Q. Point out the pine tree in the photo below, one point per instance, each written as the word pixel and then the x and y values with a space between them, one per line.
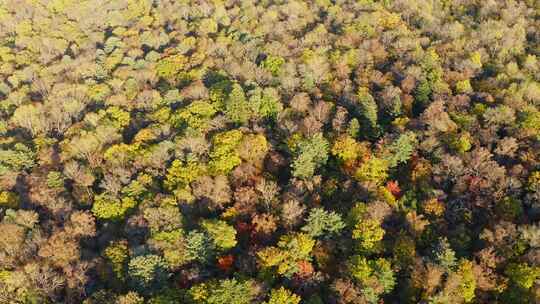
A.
pixel 311 154
pixel 368 112
pixel 321 222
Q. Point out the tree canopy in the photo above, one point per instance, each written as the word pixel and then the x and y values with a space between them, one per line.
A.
pixel 276 151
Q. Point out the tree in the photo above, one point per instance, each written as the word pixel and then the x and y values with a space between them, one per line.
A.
pixel 376 277
pixel 346 149
pixel 500 115
pixel 116 116
pixel 181 174
pixel 374 170
pixel 444 255
pixel 253 148
pixel 529 120
pixel 290 251
pixel 147 273
pixel 31 117
pixel 283 296
pixel 163 218
pixel 292 212
pixel 224 156
pixel 265 103
pixel 130 298
pixel 461 143
pixel 60 250
pixel 166 296
pixel 321 222
pixel 110 208
pixel 464 86
pixel 522 275
pixel 522 278
pixel 229 291
pixel 368 110
pixel 273 64
pixel 117 255
pixel 265 223
pixel 173 246
pixel 468 281
pixel 223 235
pixel 195 116
pixel 198 247
pixel 19 158
pixel 9 199
pixel 55 179
pixel 401 149
pixel 310 154
pixel 354 128
pixel 12 242
pixel 423 93
pixel 81 224
pixel 170 67
pixel 236 106
pixel 367 231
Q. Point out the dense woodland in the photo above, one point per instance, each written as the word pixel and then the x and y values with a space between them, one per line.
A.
pixel 271 151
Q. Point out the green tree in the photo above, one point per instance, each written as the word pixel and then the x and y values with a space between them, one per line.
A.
pixel 321 222
pixel 170 67
pixel 522 275
pixel 55 179
pixel 237 108
pixel 273 64
pixel 461 143
pixel 401 149
pixel 229 291
pixel 310 154
pixel 182 173
pixel 116 116
pixel 147 273
pixel 468 280
pixel 375 277
pixel 291 249
pixel 224 155
pixel 167 296
pixel 283 296
pixel 117 255
pixel 354 128
pixel 173 245
pixel 522 278
pixel 195 116
pixel 373 170
pixel 367 231
pixel 444 255
pixel 9 199
pixel 109 208
pixel 222 234
pixel 198 247
pixel 219 90
pixel 19 158
pixel 422 93
pixel 464 86
pixel 266 103
pixel 529 120
pixel 368 111
pixel 346 149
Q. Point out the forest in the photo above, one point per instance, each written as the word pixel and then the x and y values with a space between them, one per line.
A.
pixel 269 151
